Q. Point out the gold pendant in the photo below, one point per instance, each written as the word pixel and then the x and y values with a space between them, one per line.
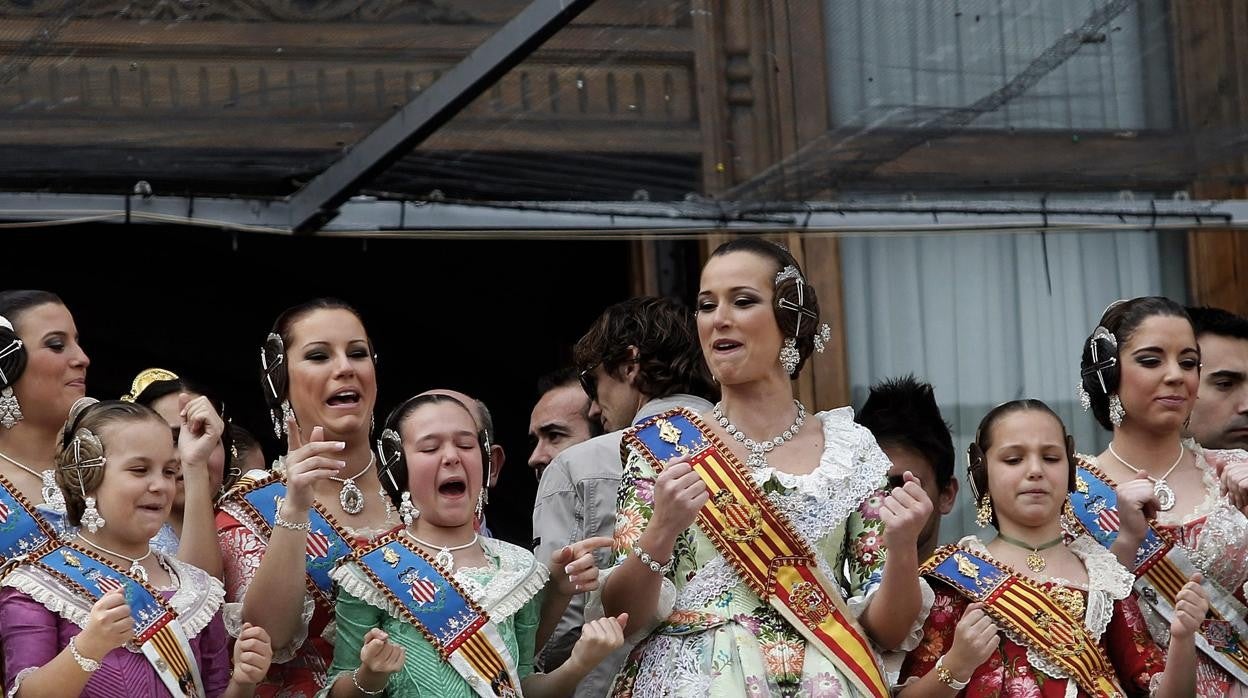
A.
pixel 1035 563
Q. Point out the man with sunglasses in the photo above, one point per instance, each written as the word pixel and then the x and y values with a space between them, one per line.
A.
pixel 639 358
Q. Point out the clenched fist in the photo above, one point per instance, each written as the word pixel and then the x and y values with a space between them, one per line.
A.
pixel 905 512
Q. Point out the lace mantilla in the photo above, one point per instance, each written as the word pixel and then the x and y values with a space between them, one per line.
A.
pixel 1108 581
pixel 198 597
pixel 517 579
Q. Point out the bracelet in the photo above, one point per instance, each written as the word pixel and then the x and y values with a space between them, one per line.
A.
pixel 305 527
pixel 355 680
pixel 648 561
pixel 86 663
pixel 943 676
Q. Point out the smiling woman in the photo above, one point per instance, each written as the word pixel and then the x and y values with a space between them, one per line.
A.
pixel 117 468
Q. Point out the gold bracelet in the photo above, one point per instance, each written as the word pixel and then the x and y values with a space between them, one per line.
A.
pixel 944 676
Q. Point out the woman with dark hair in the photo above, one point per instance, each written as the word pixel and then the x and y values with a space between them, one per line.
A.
pixel 281 532
pixel 436 609
pixel 1071 624
pixel 99 612
pixel 200 482
pixel 43 371
pixel 733 525
pixel 1152 497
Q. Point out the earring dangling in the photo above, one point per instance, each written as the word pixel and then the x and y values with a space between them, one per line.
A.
pixel 1085 400
pixel 789 355
pixel 821 338
pixel 1116 412
pixel 983 512
pixel 10 410
pixel 409 513
pixel 481 499
pixel 287 415
pixel 91 518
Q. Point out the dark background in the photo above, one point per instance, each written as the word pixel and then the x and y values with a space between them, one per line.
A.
pixel 484 317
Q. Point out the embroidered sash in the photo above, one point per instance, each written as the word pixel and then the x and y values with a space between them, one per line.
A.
pixel 261 497
pixel 760 544
pixel 457 627
pixel 1161 569
pixel 1031 616
pixel 157 630
pixel 22 529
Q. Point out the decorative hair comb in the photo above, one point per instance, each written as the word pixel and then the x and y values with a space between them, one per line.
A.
pixel 145 378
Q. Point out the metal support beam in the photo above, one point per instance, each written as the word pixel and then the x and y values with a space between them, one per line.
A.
pixel 588 220
pixel 317 202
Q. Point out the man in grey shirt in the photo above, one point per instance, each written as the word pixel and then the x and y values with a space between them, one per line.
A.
pixel 641 357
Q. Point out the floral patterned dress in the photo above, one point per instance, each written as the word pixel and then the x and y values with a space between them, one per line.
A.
pixel 1215 537
pixel 1110 613
pixel 715 637
pixel 301 669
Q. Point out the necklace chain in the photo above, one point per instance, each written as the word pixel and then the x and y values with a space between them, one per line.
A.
pixel 760 449
pixel 372 458
pixel 136 569
pixel 14 461
pixel 51 493
pixel 445 558
pixel 1035 561
pixel 1161 489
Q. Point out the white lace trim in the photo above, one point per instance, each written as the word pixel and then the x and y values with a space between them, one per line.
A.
pixel 515 582
pixel 1108 581
pixel 850 467
pixel 670 667
pixel 21 676
pixel 198 596
pixel 1213 491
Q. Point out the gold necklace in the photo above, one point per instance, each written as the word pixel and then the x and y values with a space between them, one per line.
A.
pixel 1035 562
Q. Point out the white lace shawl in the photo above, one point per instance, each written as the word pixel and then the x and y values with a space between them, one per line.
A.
pixel 817 504
pixel 196 599
pixel 1108 581
pixel 517 578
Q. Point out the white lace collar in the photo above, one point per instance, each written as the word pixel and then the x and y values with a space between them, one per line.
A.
pixel 196 600
pixel 517 578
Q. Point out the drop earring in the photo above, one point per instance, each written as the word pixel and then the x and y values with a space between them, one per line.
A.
pixel 1116 412
pixel 983 512
pixel 408 511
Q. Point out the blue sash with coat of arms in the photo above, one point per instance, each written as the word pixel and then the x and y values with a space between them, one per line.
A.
pixel 157 631
pixel 430 599
pixel 1161 570
pixel 326 543
pixel 22 529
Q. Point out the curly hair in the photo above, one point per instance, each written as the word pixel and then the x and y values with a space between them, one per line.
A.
pixel 669 359
pixel 791 291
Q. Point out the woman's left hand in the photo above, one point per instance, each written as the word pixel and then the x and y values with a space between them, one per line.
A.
pixel 200 432
pixel 573 567
pixel 1190 606
pixel 253 652
pixel 905 512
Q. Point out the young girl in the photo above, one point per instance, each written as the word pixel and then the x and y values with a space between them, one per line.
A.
pixel 100 613
pixel 1032 613
pixel 438 610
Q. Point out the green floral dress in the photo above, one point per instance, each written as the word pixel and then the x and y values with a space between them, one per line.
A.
pixel 717 638
pixel 508 589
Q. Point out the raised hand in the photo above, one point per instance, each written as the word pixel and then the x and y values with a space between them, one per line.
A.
pixel 1137 503
pixel 108 627
pixel 974 640
pixel 308 463
pixel 1190 606
pixel 679 494
pixel 253 652
pixel 200 431
pixel 573 567
pixel 379 658
pixel 598 639
pixel 1234 478
pixel 905 512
